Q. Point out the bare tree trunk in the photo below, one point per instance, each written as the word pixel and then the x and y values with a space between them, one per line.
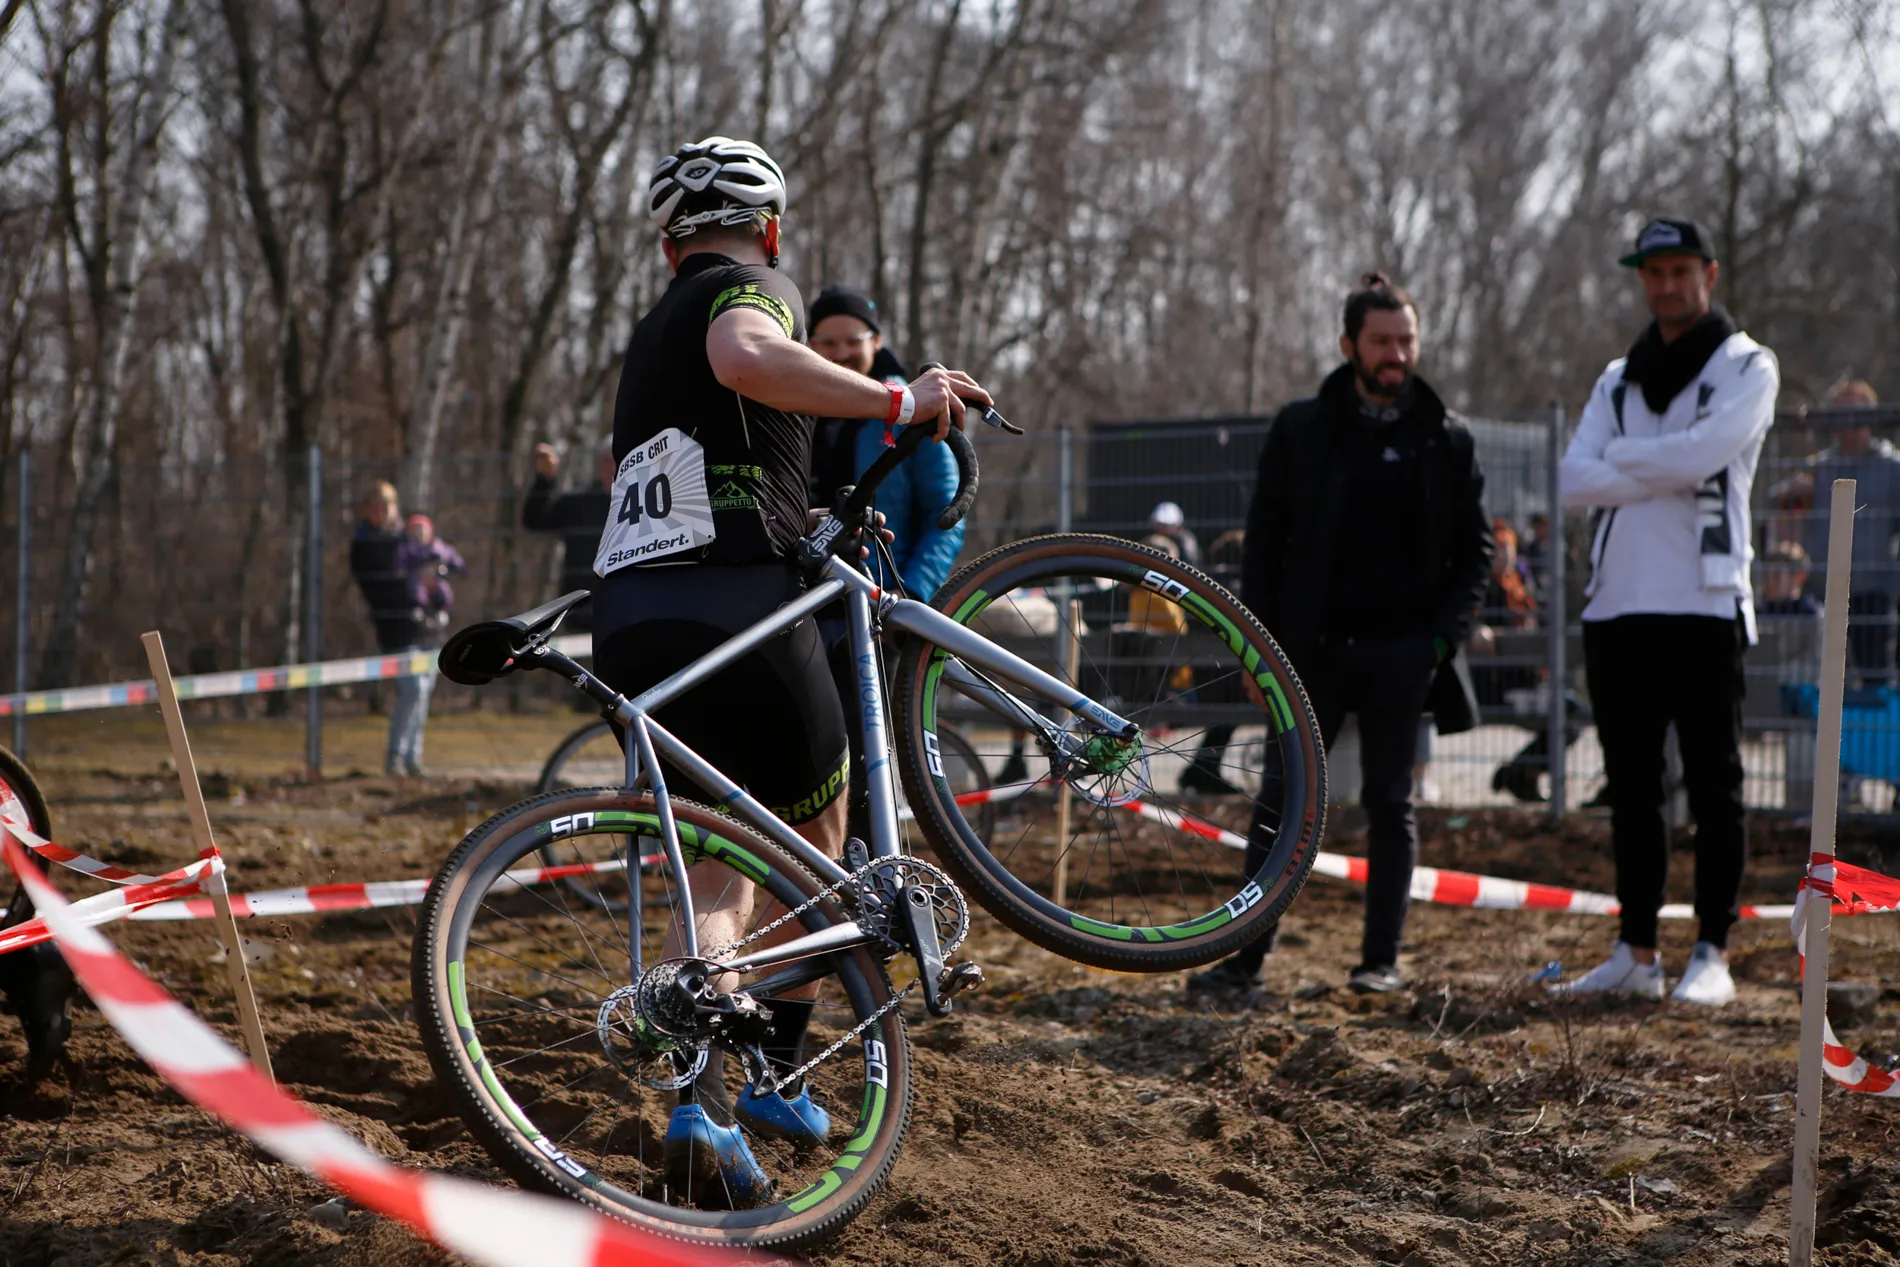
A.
pixel 932 130
pixel 115 315
pixel 482 164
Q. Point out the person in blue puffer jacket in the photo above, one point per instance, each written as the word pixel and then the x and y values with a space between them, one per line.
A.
pixel 844 330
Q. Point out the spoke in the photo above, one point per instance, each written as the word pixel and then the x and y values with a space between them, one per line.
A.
pixel 1134 872
pixel 502 954
pixel 582 1009
pixel 568 910
pixel 564 953
pixel 569 1132
pixel 575 1037
pixel 568 1085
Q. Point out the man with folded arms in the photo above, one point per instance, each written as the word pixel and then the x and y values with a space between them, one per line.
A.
pixel 1665 453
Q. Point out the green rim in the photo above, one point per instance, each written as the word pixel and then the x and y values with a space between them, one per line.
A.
pixel 1279 716
pixel 697 845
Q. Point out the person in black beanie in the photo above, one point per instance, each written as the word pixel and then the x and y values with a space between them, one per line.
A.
pixel 1367 553
pixel 1665 453
pixel 845 330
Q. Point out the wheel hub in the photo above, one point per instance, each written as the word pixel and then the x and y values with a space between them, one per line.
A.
pixel 641 1052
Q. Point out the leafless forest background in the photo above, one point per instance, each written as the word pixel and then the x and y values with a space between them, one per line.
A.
pixel 408 232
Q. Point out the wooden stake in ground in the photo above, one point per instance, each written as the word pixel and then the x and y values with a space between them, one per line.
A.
pixel 1827 787
pixel 234 965
pixel 1072 656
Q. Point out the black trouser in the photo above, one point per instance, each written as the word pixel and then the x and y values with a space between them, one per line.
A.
pixel 1870 636
pixel 1645 672
pixel 1384 681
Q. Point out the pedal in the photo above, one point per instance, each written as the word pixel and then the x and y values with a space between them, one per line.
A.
pixel 958 978
pixel 920 926
pixel 857 855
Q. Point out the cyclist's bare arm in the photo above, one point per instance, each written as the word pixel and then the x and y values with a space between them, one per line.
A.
pixel 750 354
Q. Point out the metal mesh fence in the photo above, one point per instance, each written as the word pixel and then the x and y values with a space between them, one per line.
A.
pixel 217 556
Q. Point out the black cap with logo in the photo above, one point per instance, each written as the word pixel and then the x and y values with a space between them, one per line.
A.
pixel 1669 237
pixel 846 301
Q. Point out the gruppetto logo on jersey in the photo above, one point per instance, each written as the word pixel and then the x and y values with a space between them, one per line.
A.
pixel 730 493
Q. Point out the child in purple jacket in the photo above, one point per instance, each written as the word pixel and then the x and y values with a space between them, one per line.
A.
pixel 429 563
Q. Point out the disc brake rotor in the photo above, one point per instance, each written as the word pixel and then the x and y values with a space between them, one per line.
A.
pixel 638 1050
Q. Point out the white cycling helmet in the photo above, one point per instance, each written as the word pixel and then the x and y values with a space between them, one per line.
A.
pixel 715 181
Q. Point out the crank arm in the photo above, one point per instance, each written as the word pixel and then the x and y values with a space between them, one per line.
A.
pixel 920 923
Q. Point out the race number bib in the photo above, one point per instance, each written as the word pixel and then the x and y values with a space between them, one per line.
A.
pixel 659 505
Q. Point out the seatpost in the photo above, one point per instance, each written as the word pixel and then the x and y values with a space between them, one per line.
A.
pixel 609 699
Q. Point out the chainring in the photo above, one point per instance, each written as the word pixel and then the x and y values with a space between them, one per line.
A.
pixel 879 888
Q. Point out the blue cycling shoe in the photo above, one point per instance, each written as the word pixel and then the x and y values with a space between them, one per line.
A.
pixel 712 1163
pixel 774 1116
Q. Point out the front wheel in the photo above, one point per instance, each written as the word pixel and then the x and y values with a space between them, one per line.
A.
pixel 521 995
pixel 1105 853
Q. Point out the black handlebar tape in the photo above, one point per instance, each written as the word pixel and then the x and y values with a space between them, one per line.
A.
pixel 965 454
pixel 887 461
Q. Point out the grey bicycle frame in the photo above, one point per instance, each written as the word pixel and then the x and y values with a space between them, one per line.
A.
pixel 649 742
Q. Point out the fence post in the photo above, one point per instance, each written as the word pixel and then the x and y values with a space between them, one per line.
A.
pixel 313 614
pixel 21 587
pixel 1068 644
pixel 1065 479
pixel 1556 613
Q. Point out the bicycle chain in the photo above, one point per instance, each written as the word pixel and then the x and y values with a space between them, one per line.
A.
pixel 794 913
pixel 798 1075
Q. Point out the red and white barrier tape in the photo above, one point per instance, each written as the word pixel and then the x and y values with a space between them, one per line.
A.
pixel 495 1226
pixel 122 903
pixel 17 824
pixel 317 899
pixel 170 897
pixel 1434 884
pixel 1854 891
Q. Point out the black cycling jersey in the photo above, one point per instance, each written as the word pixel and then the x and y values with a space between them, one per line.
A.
pixel 757 458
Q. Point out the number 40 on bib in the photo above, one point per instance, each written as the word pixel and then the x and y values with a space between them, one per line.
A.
pixel 660 505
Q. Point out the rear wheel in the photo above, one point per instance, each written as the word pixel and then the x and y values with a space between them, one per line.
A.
pixel 590 757
pixel 1129 874
pixel 523 1001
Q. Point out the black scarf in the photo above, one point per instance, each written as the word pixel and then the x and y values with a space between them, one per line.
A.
pixel 1664 369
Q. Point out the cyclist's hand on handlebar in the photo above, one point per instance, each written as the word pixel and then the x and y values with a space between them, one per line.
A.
pixel 940 394
pixel 816 515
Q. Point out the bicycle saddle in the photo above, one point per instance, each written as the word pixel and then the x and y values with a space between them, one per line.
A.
pixel 479 653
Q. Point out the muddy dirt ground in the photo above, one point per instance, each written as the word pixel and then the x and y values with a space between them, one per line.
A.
pixel 1066 1115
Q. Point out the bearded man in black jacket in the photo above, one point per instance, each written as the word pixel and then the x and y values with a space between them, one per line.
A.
pixel 1367 554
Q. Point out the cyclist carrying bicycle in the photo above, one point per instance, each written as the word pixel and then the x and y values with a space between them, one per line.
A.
pixel 713 427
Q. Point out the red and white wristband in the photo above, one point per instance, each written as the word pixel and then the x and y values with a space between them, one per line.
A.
pixel 903 409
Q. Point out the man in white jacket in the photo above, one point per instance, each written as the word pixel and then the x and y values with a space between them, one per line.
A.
pixel 1665 452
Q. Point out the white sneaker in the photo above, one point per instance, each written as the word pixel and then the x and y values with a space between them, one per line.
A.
pixel 1706 980
pixel 1620 973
